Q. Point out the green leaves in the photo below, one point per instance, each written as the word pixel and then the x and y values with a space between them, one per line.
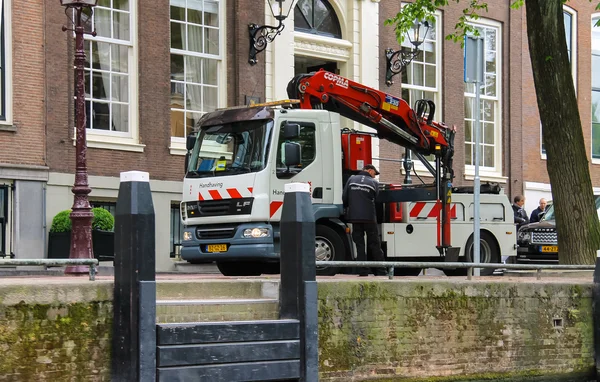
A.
pixel 102 220
pixel 425 10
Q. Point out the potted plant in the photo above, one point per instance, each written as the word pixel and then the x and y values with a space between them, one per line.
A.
pixel 103 223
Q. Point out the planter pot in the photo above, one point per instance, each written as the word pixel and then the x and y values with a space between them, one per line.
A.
pixel 103 242
pixel 59 245
pixel 104 245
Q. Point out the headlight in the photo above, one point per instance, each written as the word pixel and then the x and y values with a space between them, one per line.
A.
pixel 187 236
pixel 256 232
pixel 524 236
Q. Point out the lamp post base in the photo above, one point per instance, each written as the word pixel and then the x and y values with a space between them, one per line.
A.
pixel 81 239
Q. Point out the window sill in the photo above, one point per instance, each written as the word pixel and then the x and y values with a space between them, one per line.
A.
pixel 488 177
pixel 8 127
pixel 177 150
pixel 110 144
pixel 595 160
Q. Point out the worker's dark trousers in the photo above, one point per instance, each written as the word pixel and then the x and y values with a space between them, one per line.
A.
pixel 375 252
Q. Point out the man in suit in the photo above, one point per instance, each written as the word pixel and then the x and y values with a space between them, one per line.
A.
pixel 535 215
pixel 520 214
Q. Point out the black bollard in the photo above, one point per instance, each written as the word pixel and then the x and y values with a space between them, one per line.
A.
pixel 596 314
pixel 134 323
pixel 298 287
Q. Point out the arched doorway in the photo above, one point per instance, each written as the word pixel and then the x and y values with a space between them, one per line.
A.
pixel 317 18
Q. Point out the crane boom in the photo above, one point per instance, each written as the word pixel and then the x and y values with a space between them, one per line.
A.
pixel 395 121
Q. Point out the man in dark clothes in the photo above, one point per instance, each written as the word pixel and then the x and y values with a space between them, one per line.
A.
pixel 520 214
pixel 535 215
pixel 359 198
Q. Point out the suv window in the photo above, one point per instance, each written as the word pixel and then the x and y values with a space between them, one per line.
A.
pixel 550 213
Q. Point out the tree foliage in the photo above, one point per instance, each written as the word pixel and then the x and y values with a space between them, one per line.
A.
pixel 567 160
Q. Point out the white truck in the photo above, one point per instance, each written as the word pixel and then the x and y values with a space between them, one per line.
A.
pixel 239 160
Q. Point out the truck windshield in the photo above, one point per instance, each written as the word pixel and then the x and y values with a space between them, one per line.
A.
pixel 229 149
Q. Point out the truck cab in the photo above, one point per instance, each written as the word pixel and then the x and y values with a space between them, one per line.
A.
pixel 234 184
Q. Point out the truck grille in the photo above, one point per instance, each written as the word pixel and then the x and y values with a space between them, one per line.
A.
pixel 544 237
pixel 240 206
pixel 215 233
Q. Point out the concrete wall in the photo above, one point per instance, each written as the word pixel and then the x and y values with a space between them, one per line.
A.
pixel 408 330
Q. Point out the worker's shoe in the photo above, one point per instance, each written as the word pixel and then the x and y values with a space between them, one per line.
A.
pixel 363 272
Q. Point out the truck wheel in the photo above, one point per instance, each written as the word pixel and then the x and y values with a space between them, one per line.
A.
pixel 488 253
pixel 240 268
pixel 328 247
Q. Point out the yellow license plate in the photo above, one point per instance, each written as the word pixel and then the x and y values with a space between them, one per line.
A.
pixel 216 248
pixel 550 248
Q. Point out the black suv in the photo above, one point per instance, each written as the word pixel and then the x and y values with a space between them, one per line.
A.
pixel 537 242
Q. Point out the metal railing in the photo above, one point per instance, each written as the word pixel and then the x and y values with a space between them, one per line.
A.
pixel 390 265
pixel 53 263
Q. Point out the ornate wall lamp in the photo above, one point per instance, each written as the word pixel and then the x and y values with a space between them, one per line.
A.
pixel 397 61
pixel 260 36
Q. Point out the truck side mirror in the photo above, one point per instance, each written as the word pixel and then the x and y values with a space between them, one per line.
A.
pixel 291 131
pixel 187 161
pixel 190 142
pixel 291 154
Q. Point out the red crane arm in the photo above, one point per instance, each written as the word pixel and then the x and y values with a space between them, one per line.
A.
pixel 391 116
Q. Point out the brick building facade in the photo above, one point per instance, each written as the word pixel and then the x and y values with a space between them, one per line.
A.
pixel 156 66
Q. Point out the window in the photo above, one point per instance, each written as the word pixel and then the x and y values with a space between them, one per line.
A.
pixel 570 21
pixel 421 78
pixel 5 63
pixel 308 145
pixel 595 88
pixel 109 206
pixel 490 96
pixel 110 73
pixel 176 230
pixel 3 219
pixel 316 17
pixel 197 49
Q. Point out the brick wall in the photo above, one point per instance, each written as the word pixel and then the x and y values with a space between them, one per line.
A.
pixel 242 78
pixel 534 166
pixel 422 329
pixel 24 142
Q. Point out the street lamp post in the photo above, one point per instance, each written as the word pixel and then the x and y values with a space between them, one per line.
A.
pixel 81 214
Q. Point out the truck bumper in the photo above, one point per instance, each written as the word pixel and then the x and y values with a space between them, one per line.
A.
pixel 238 247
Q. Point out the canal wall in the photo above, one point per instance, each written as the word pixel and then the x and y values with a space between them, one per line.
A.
pixel 416 329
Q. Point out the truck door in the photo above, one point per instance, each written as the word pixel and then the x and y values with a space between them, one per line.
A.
pixel 309 171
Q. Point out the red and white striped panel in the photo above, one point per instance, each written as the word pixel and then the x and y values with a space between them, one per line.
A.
pixel 228 193
pixel 430 210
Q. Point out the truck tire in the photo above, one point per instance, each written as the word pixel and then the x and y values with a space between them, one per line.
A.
pixel 328 247
pixel 489 253
pixel 240 268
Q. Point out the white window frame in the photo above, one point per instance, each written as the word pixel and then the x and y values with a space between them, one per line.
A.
pixel 491 173
pixel 574 28
pixel 418 167
pixel 177 144
pixel 129 141
pixel 594 160
pixel 7 122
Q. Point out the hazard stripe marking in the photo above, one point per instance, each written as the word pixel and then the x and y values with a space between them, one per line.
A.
pixel 274 207
pixel 414 212
pixel 215 194
pixel 200 196
pixel 234 193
